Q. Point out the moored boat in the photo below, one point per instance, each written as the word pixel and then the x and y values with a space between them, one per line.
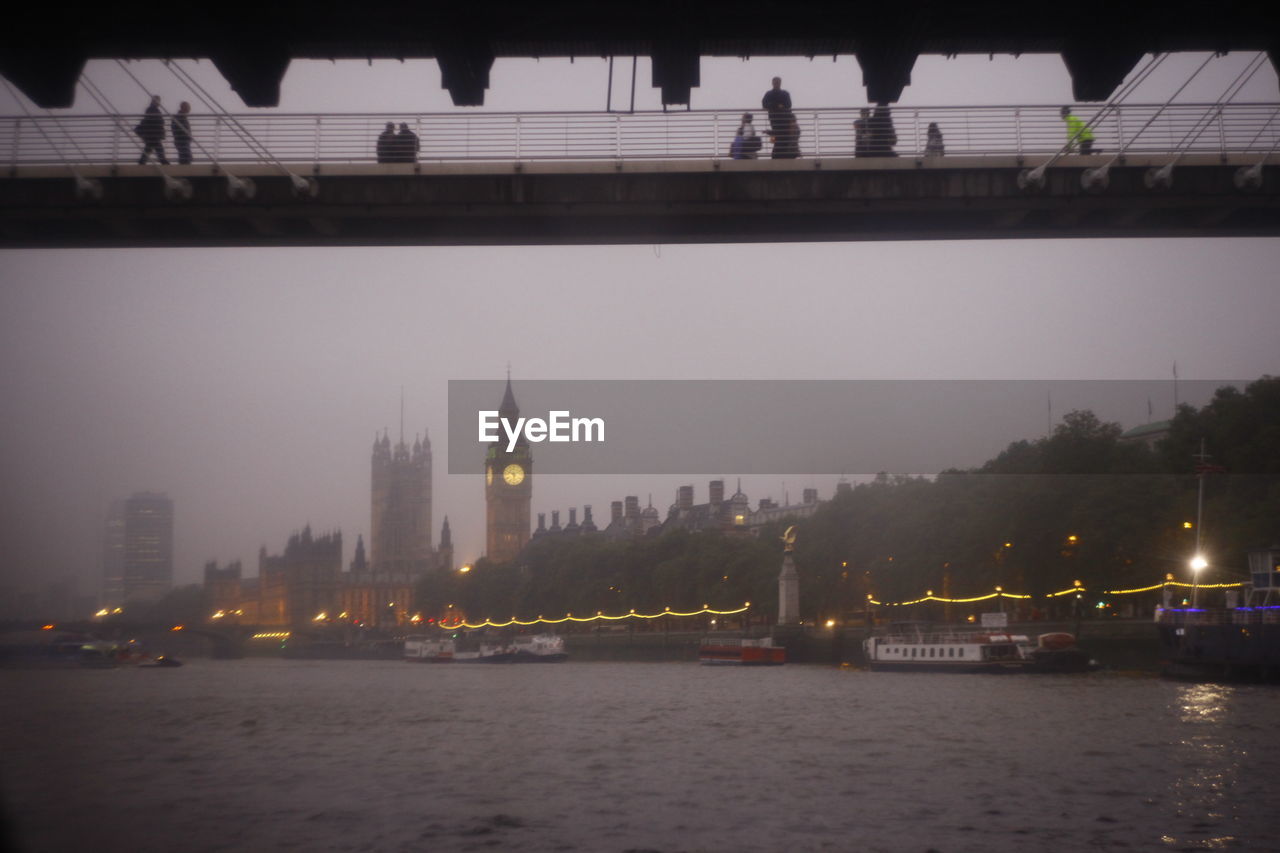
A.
pixel 740 651
pixel 922 648
pixel 1235 640
pixel 539 648
pixel 531 648
pixel 428 650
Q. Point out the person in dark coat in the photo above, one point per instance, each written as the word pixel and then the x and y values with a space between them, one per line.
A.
pixel 883 136
pixel 386 148
pixel 407 145
pixel 933 146
pixel 776 102
pixel 786 139
pixel 151 131
pixel 180 127
pixel 862 134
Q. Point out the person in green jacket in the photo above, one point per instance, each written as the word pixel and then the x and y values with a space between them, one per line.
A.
pixel 1078 133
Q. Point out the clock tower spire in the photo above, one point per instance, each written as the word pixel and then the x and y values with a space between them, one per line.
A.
pixel 508 489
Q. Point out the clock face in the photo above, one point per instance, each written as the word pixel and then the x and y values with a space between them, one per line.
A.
pixel 488 476
pixel 513 475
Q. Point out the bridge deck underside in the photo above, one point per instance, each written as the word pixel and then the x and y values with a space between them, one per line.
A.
pixel 611 203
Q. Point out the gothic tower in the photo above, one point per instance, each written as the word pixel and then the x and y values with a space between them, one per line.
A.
pixel 508 490
pixel 400 539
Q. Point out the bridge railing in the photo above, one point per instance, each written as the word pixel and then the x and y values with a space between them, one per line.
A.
pixel 682 135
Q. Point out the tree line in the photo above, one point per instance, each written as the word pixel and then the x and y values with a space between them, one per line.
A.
pixel 1079 504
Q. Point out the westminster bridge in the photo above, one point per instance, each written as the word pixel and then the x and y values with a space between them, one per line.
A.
pixel 649 177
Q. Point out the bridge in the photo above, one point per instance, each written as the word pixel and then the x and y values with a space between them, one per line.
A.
pixel 647 177
pixel 43 48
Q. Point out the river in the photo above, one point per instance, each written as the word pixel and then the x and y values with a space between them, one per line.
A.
pixel 271 754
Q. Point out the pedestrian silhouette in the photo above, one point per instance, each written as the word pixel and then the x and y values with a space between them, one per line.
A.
pixel 151 131
pixel 883 136
pixel 777 103
pixel 746 143
pixel 386 146
pixel 933 146
pixel 406 145
pixel 862 133
pixel 1078 133
pixel 180 127
pixel 786 138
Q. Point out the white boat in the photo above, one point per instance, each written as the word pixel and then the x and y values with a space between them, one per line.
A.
pixel 428 650
pixel 533 648
pixel 923 648
pixel 539 648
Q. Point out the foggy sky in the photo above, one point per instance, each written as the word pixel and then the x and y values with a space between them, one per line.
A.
pixel 249 383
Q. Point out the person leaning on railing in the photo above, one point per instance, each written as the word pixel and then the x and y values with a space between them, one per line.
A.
pixel 1078 133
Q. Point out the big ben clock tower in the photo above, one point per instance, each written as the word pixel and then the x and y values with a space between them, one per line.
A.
pixel 508 490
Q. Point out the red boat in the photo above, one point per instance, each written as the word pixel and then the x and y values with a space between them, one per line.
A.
pixel 738 651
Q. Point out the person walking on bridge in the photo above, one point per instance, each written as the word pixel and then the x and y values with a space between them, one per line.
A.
pixel 180 127
pixel 151 131
pixel 1078 133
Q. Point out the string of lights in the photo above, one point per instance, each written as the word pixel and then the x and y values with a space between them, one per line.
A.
pixel 600 616
pixel 1077 588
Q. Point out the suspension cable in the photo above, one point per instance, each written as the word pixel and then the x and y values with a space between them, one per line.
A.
pixel 300 184
pixel 84 186
pixel 238 187
pixel 1163 107
pixel 1228 95
pixel 173 187
pixel 1205 121
pixel 1035 177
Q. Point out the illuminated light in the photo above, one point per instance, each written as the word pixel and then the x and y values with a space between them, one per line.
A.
pixel 928 593
pixel 1076 583
pixel 46 627
pixel 569 617
pixel 831 623
pixel 1186 525
pixel 466 567
pixel 999 589
pixel 1198 562
pixel 1008 544
pixel 118 610
pixel 971 618
pixel 321 616
pixel 177 627
pixel 102 612
pixel 1073 538
pixel 219 615
pixel 343 615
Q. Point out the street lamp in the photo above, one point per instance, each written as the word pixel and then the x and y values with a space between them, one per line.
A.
pixel 1198 562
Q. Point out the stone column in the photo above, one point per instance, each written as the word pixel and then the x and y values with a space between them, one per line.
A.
pixel 788 593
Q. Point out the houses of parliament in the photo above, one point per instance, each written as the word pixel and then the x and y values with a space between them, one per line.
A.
pixel 307 584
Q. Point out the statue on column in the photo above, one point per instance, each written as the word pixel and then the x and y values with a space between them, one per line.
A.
pixel 788 582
